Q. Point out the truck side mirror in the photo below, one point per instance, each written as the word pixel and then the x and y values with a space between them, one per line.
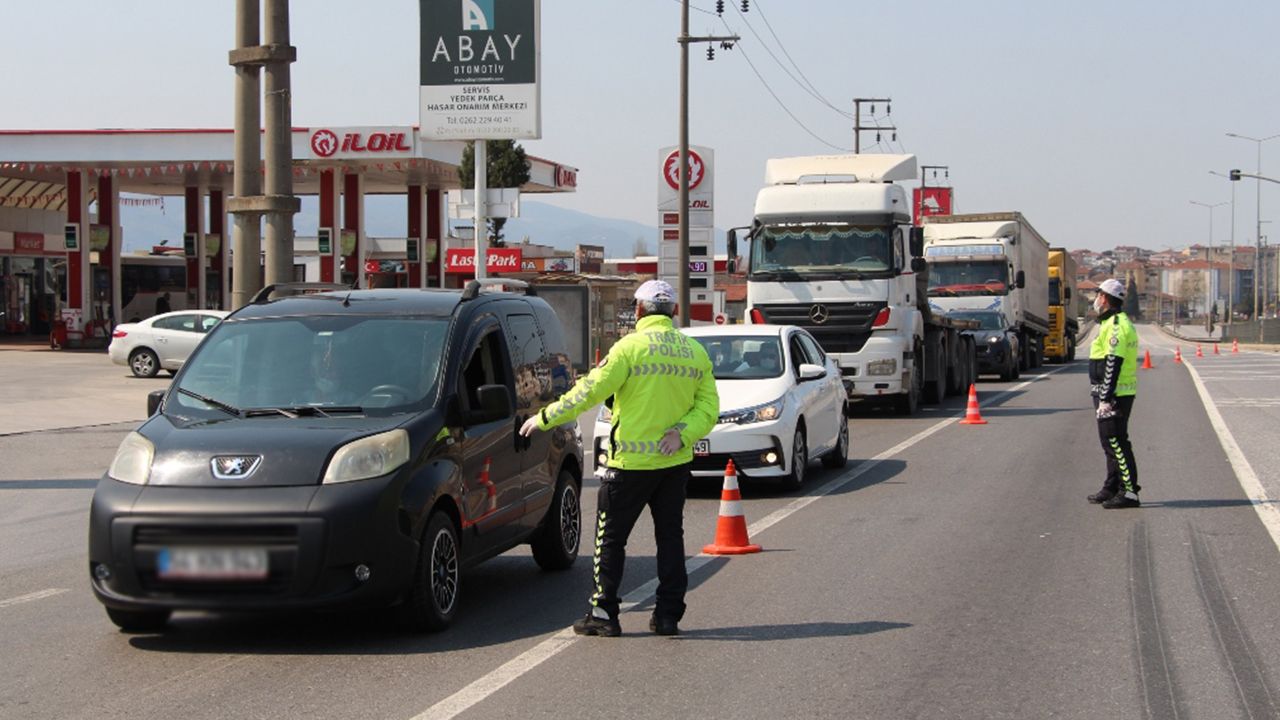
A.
pixel 731 242
pixel 1020 280
pixel 1068 293
pixel 919 265
pixel 916 241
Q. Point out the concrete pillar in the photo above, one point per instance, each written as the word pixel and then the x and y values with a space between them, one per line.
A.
pixel 353 222
pixel 417 225
pixel 279 145
pixel 219 258
pixel 436 231
pixel 246 276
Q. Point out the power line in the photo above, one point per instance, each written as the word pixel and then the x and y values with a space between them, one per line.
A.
pixel 783 48
pixel 784 105
pixel 812 93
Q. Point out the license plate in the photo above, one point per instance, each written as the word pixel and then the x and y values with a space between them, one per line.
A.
pixel 211 563
pixel 702 448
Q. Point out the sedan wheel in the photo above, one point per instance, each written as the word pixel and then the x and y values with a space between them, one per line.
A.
pixel 839 456
pixel 799 462
pixel 144 363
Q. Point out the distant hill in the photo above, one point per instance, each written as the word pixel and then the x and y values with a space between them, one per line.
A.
pixel 542 223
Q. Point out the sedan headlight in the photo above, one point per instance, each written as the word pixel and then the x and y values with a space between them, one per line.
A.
pixel 132 463
pixel 887 366
pixel 368 457
pixel 746 416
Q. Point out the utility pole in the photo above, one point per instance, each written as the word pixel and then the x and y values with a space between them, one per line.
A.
pixel 1257 255
pixel 859 128
pixel 684 40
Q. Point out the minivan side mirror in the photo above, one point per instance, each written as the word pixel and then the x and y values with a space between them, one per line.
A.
pixel 154 399
pixel 495 404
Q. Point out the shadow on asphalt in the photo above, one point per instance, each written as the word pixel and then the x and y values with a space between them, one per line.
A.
pixel 998 411
pixel 709 488
pixel 48 484
pixel 796 631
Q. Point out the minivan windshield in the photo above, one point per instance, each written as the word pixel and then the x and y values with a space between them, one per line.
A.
pixel 833 250
pixel 743 357
pixel 313 365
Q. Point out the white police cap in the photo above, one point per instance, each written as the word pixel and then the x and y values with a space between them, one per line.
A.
pixel 1112 287
pixel 657 291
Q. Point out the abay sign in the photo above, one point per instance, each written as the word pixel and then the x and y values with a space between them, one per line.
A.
pixel 480 70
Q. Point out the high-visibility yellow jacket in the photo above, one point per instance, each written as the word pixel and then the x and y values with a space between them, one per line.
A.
pixel 1113 358
pixel 660 379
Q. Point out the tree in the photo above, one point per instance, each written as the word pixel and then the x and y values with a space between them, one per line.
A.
pixel 508 168
pixel 1132 300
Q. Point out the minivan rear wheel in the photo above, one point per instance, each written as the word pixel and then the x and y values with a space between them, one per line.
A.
pixel 433 596
pixel 555 547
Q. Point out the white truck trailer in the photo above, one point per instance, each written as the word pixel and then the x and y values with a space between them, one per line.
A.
pixel 832 249
pixel 992 261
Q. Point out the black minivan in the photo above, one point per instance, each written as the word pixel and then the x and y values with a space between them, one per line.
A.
pixel 340 448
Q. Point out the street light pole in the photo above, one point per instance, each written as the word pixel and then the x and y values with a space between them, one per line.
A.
pixel 1231 274
pixel 1257 256
pixel 1208 308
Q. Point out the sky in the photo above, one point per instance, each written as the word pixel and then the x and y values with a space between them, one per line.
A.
pixel 1098 119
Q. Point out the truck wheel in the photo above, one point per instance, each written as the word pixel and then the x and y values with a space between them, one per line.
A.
pixel 555 547
pixel 432 601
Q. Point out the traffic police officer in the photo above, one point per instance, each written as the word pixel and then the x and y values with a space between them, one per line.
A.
pixel 664 400
pixel 1113 373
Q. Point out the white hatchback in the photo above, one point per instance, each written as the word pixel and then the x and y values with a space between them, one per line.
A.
pixel 161 342
pixel 782 404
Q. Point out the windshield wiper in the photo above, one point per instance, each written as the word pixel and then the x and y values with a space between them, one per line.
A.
pixel 228 409
pixel 303 410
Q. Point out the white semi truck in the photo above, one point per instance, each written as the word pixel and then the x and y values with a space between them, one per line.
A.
pixel 995 262
pixel 832 249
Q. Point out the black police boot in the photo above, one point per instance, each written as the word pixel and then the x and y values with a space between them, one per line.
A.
pixel 1100 497
pixel 602 627
pixel 1123 500
pixel 663 625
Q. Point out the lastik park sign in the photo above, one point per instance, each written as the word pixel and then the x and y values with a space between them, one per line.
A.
pixel 479 70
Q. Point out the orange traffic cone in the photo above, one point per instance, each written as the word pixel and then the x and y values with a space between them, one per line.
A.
pixel 1199 351
pixel 731 528
pixel 1215 349
pixel 1146 361
pixel 971 414
pixel 1177 354
pixel 1235 345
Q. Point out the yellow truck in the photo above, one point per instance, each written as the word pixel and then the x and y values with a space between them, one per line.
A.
pixel 1060 343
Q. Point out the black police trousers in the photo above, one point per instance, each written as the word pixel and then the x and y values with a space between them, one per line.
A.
pixel 1122 470
pixel 623 495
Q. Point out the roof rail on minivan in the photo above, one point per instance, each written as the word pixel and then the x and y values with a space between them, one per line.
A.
pixel 295 288
pixel 472 290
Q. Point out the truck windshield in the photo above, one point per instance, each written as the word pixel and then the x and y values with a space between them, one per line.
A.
pixel 378 365
pixel 976 277
pixel 827 249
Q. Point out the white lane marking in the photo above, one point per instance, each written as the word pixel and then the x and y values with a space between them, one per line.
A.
pixel 1250 402
pixel 32 596
pixel 508 672
pixel 1262 504
pixel 1234 378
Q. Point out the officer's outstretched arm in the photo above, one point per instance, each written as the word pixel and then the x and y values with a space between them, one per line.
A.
pixel 603 381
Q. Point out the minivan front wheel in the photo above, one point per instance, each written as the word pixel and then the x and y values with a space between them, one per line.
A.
pixel 433 597
pixel 555 547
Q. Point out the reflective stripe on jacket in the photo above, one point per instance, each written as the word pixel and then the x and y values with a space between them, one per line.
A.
pixel 1113 358
pixel 660 379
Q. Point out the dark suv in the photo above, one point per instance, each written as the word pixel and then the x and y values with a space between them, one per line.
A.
pixel 335 448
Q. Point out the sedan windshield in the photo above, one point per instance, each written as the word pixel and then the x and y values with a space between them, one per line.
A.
pixel 842 250
pixel 295 366
pixel 743 357
pixel 986 320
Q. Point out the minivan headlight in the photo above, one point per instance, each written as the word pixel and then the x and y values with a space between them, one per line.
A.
pixel 132 463
pixel 368 457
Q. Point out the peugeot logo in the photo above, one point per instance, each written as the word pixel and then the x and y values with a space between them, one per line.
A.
pixel 819 314
pixel 235 467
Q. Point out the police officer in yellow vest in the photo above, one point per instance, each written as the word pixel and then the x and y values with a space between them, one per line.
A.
pixel 1113 373
pixel 664 400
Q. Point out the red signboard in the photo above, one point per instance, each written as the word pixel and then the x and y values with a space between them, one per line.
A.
pixel 462 261
pixel 671 234
pixel 29 242
pixel 931 201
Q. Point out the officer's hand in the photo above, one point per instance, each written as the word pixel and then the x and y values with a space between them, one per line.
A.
pixel 670 442
pixel 529 426
pixel 1106 410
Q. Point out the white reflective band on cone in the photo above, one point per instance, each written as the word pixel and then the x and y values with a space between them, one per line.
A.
pixel 731 508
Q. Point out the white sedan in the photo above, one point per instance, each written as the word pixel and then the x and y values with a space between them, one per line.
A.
pixel 161 342
pixel 782 404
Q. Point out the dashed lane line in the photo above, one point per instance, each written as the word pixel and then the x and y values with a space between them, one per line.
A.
pixel 513 669
pixel 1262 503
pixel 42 594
